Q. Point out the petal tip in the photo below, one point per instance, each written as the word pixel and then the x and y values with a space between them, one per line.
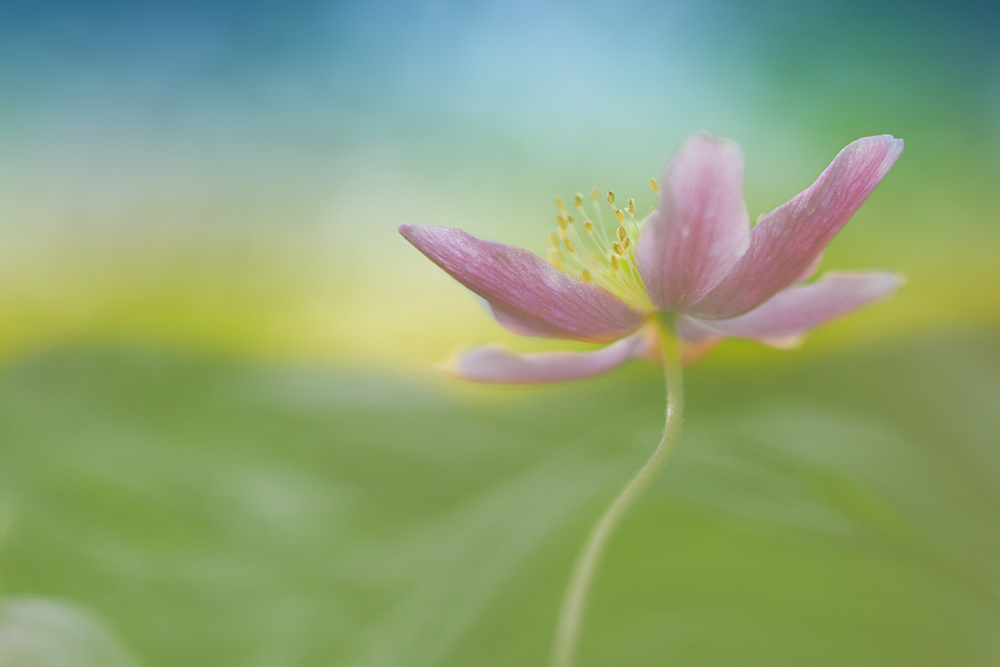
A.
pixel 892 146
pixel 408 230
pixel 452 366
pixel 886 285
pixel 702 140
pixel 785 342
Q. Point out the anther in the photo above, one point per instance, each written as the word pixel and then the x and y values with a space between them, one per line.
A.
pixel 554 240
pixel 569 246
pixel 614 263
pixel 619 215
pixel 595 194
pixel 622 234
pixel 654 186
pixel 611 197
pixel 618 249
pixel 561 205
pixel 578 200
pixel 570 219
pixel 563 235
pixel 589 226
pixel 631 206
pixel 561 221
pixel 625 242
pixel 585 274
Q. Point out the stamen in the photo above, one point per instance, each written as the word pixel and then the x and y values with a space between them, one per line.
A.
pixel 603 258
pixel 654 186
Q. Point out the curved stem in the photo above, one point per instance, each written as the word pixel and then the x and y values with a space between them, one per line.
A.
pixel 576 593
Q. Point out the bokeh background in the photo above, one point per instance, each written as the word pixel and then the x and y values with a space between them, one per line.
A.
pixel 219 440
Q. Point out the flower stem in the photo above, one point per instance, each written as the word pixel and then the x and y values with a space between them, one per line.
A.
pixel 575 597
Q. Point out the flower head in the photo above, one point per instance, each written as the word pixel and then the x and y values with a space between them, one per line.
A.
pixel 695 255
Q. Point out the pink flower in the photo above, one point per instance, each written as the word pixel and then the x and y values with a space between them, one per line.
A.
pixel 696 256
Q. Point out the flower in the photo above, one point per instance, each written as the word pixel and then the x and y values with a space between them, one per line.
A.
pixel 695 256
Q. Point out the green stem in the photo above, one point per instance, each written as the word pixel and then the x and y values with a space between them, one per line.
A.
pixel 575 598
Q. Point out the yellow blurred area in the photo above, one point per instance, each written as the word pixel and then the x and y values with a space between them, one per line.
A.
pixel 395 308
pixel 305 264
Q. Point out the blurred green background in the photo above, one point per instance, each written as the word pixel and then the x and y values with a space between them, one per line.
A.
pixel 219 442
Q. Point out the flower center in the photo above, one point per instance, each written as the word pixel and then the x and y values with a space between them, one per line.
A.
pixel 587 250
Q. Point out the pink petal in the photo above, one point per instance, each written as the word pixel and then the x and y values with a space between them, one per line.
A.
pixel 695 339
pixel 783 319
pixel 700 229
pixel 498 364
pixel 791 236
pixel 528 295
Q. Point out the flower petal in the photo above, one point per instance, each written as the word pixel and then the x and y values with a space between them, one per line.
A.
pixel 791 236
pixel 694 339
pixel 527 294
pixel 783 319
pixel 700 229
pixel 498 364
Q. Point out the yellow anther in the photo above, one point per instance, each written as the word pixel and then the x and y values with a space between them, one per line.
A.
pixel 563 235
pixel 618 249
pixel 595 194
pixel 614 263
pixel 622 234
pixel 569 246
pixel 625 243
pixel 611 196
pixel 561 205
pixel 619 215
pixel 585 274
pixel 554 240
pixel 631 206
pixel 561 221
pixel 589 226
pixel 570 219
pixel 578 200
pixel 654 186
